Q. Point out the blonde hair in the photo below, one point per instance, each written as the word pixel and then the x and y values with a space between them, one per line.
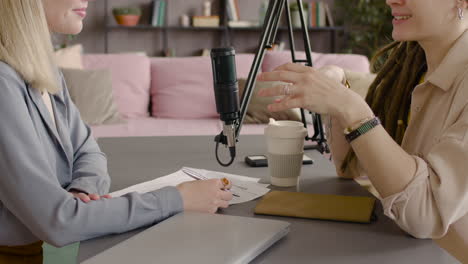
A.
pixel 25 43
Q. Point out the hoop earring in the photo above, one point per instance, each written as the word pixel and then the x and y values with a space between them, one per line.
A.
pixel 460 13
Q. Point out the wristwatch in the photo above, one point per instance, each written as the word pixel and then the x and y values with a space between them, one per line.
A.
pixel 364 127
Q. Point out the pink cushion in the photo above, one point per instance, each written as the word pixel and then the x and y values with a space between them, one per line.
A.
pixel 354 62
pixel 183 87
pixel 130 80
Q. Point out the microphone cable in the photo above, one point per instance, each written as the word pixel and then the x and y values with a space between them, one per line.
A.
pixel 232 151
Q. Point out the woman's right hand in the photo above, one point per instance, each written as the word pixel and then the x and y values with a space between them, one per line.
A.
pixel 205 196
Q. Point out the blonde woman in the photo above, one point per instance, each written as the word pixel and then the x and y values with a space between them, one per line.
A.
pixel 53 177
pixel 417 158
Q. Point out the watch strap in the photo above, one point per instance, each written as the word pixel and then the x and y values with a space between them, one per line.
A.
pixel 364 128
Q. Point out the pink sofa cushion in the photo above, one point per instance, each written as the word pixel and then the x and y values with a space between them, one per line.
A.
pixel 130 80
pixel 354 62
pixel 183 87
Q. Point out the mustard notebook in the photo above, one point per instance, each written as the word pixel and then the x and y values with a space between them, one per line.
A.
pixel 317 206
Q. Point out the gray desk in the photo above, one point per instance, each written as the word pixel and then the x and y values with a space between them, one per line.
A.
pixel 135 160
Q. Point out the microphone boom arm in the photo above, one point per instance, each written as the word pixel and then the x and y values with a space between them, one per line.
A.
pixel 270 29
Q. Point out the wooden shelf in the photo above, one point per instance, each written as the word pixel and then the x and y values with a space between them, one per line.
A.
pixel 137 27
pixel 286 28
pixel 224 34
pixel 149 27
pixel 195 28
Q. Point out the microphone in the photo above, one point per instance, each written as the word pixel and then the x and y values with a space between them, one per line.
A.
pixel 227 95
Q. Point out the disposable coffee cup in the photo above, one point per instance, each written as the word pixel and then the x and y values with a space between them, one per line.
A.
pixel 285 149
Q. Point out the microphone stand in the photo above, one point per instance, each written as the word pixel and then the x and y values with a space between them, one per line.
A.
pixel 270 29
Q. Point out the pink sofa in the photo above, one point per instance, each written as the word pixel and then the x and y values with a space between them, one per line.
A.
pixel 180 91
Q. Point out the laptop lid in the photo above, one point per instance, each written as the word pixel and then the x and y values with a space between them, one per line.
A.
pixel 190 237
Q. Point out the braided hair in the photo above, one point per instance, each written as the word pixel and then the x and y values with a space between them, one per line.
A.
pixel 389 96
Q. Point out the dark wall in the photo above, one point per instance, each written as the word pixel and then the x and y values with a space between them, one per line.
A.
pixel 185 42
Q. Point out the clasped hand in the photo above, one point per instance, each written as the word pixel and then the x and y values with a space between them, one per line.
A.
pixel 88 197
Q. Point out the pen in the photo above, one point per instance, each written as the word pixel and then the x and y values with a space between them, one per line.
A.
pixel 198 176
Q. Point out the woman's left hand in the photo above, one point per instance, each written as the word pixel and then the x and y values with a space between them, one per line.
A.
pixel 319 91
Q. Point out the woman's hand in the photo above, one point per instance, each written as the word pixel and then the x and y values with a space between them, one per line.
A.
pixel 205 196
pixel 87 198
pixel 317 90
pixel 333 72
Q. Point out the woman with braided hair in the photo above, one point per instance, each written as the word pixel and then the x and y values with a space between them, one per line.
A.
pixel 410 134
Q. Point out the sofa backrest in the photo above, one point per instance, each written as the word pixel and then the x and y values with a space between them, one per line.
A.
pixel 130 80
pixel 183 87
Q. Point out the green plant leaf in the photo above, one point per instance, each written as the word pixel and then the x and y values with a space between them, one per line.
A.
pixel 117 11
pixel 369 23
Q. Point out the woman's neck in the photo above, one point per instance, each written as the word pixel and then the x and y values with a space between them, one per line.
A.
pixel 436 49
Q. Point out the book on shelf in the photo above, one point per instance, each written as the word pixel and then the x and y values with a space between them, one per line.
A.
pixel 162 14
pixel 155 14
pixel 205 52
pixel 159 13
pixel 232 9
pixel 329 15
pixel 320 14
pixel 312 14
pixel 229 11
pixel 243 24
pixel 170 52
pixel 205 21
pixel 237 8
pixel 322 21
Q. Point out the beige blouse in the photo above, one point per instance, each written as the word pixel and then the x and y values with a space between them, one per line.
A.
pixel 435 202
pixel 437 197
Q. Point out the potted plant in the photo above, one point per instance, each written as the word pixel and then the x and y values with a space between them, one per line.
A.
pixel 127 16
pixel 368 23
pixel 295 18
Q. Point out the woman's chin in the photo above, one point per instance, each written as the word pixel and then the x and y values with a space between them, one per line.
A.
pixel 71 29
pixel 397 36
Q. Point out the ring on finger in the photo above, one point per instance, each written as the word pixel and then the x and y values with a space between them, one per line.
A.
pixel 287 89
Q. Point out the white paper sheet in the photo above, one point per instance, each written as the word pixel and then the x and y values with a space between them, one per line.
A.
pixel 246 188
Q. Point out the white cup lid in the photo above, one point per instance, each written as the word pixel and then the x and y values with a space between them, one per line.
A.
pixel 285 129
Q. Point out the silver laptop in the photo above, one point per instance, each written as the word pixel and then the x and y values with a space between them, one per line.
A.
pixel 197 238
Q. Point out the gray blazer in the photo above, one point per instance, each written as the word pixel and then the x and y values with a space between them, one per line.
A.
pixel 39 163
